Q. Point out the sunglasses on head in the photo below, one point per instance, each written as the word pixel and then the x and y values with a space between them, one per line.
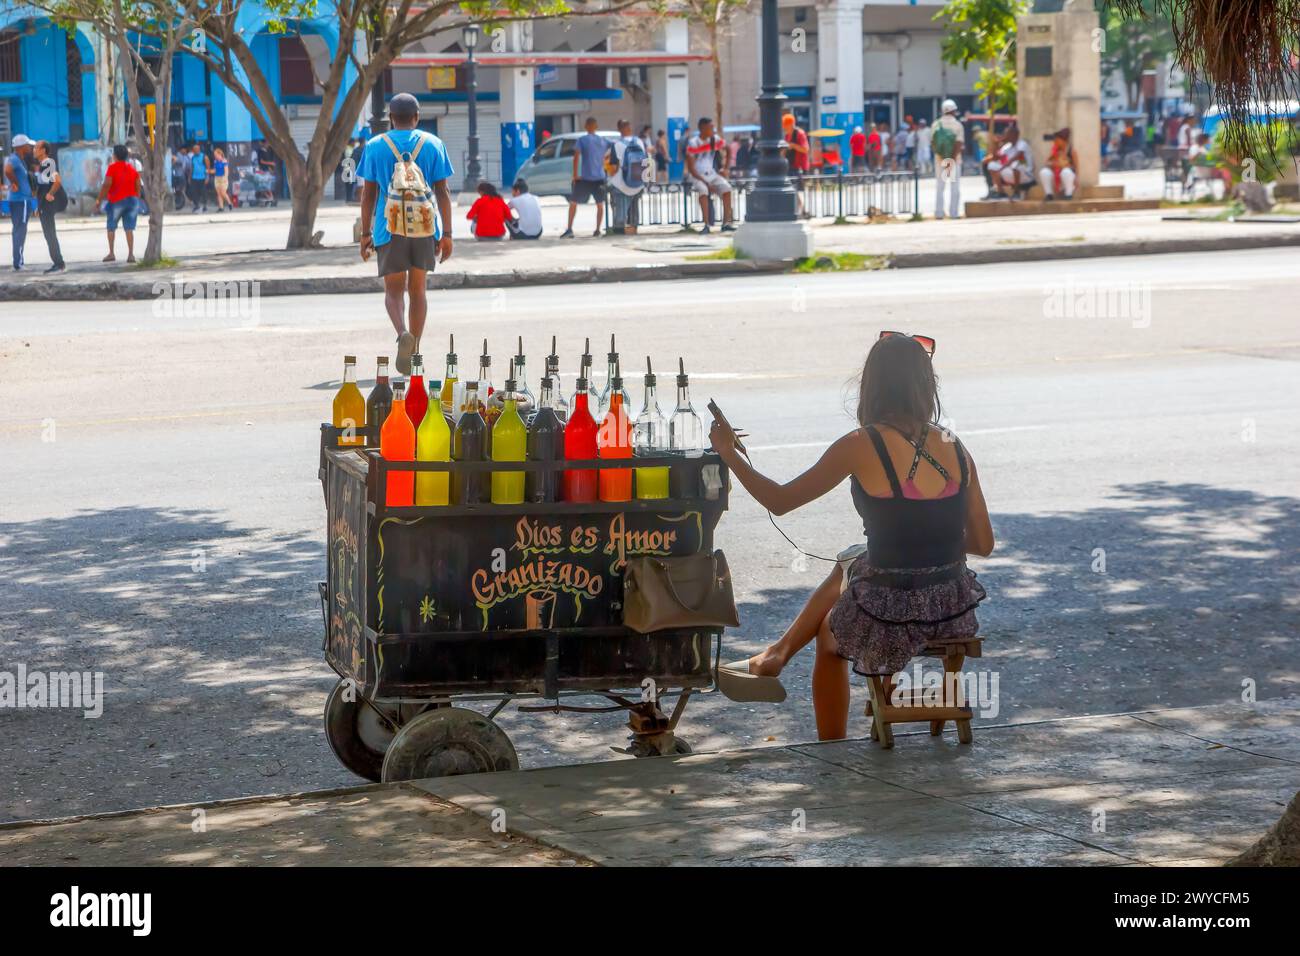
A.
pixel 925 341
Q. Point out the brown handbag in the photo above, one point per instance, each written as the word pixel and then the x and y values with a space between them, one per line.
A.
pixel 692 590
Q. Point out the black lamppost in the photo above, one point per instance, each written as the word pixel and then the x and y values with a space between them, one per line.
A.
pixel 378 118
pixel 773 198
pixel 469 34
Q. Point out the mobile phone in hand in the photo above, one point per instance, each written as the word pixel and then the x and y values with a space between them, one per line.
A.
pixel 717 414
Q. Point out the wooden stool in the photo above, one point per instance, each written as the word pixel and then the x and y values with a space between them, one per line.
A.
pixel 911 707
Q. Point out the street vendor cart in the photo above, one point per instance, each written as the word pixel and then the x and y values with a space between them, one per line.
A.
pixel 430 608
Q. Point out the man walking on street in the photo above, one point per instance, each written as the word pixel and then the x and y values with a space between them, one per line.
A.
pixel 629 159
pixel 408 247
pixel 19 180
pixel 948 141
pixel 588 177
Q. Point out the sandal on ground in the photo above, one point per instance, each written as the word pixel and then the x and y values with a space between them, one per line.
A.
pixel 738 684
pixel 109 258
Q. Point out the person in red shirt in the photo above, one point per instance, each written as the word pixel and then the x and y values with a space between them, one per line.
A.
pixel 489 213
pixel 121 188
pixel 797 154
pixel 858 150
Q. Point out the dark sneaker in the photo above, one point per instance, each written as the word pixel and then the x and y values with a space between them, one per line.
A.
pixel 705 231
pixel 567 234
pixel 55 268
pixel 728 227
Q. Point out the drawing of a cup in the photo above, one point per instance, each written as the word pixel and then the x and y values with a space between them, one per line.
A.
pixel 539 610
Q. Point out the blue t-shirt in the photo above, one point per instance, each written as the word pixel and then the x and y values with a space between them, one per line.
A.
pixel 219 167
pixel 198 168
pixel 15 163
pixel 591 151
pixel 377 164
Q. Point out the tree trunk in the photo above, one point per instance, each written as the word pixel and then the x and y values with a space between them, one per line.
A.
pixel 305 194
pixel 153 246
pixel 717 75
pixel 1280 846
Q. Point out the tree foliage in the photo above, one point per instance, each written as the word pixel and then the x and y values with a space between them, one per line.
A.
pixel 984 32
pixel 1135 45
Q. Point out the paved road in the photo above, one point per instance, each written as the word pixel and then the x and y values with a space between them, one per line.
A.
pixel 170 535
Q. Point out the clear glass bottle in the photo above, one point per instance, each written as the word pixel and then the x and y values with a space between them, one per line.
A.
pixel 584 375
pixel 561 404
pixel 650 439
pixel 685 438
pixel 525 400
pixel 613 381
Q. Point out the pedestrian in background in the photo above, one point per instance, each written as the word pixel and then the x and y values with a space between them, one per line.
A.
pixel 180 174
pixel 198 180
pixel 858 151
pixel 489 214
pixel 121 189
pixel 405 260
pixel 661 156
pixel 924 153
pixel 51 198
pixel 629 161
pixel 948 142
pixel 526 222
pixel 221 179
pixel 588 177
pixel 19 180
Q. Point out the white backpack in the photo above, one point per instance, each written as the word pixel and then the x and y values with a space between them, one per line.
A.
pixel 408 209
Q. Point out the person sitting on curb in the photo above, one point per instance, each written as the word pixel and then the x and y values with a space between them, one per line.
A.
pixel 489 214
pixel 1059 176
pixel 704 179
pixel 588 177
pixel 526 212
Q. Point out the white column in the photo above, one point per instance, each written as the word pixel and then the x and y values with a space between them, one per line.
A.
pixel 670 101
pixel 839 66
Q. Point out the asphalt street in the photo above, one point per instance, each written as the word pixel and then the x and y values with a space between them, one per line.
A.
pixel 162 522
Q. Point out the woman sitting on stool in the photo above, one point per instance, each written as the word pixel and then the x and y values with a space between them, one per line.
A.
pixel 1059 174
pixel 908 586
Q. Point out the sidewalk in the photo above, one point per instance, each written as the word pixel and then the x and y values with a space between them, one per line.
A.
pixel 1171 787
pixel 662 255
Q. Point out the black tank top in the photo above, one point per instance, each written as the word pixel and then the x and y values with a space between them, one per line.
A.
pixel 912 532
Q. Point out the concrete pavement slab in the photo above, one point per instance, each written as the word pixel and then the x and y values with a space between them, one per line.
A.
pixel 1022 795
pixel 635 794
pixel 1267 728
pixel 364 826
pixel 1023 756
pixel 1211 816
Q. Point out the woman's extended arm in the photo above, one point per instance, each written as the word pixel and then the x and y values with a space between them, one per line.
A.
pixel 833 467
pixel 979 530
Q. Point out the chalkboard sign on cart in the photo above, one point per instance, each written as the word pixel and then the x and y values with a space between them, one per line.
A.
pixel 429 606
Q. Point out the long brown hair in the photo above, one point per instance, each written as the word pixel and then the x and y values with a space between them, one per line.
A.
pixel 898 385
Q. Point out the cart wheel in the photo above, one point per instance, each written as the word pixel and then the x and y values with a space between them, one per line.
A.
pixel 448 742
pixel 356 734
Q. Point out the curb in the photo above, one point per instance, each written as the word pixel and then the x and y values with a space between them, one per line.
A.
pixel 128 289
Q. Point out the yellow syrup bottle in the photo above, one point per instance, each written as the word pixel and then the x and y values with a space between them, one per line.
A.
pixel 350 407
pixel 509 443
pixel 449 379
pixel 433 443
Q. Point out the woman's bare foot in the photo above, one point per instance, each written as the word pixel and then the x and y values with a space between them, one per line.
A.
pixel 766 663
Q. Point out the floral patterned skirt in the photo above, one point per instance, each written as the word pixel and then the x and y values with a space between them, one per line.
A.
pixel 885 616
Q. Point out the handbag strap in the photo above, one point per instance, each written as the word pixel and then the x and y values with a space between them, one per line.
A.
pixel 713 560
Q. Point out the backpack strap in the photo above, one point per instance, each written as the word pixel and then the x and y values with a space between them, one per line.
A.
pixel 391 145
pixel 419 142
